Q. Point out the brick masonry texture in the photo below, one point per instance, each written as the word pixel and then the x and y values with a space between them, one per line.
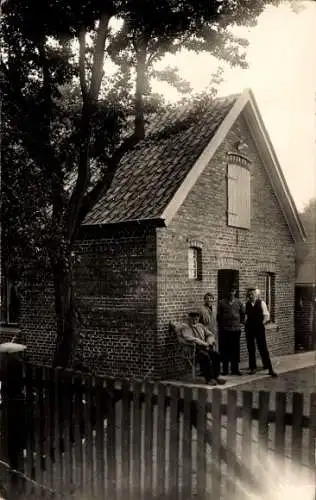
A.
pixel 115 283
pixel 131 282
pixel 37 321
pixel 116 286
pixel 266 247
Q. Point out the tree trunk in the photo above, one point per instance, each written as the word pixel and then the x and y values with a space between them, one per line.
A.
pixel 139 93
pixel 66 317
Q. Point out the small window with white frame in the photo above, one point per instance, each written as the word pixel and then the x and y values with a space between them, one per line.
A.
pixel 270 294
pixel 195 263
pixel 266 282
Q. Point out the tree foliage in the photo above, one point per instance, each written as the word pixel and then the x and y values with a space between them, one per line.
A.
pixel 69 120
pixel 307 250
pixel 309 217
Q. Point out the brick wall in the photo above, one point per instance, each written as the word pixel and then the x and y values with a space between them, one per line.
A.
pixel 115 283
pixel 266 247
pixel 116 286
pixel 37 321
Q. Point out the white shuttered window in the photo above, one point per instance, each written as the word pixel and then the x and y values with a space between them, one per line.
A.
pixel 238 193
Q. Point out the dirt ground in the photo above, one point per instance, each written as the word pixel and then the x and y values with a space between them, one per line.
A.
pixel 302 380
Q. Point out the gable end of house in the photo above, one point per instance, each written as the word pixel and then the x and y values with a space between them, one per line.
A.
pixel 245 105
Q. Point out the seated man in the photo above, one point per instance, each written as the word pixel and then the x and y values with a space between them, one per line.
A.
pixel 208 358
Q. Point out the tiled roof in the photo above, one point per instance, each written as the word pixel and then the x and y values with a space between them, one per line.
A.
pixel 151 173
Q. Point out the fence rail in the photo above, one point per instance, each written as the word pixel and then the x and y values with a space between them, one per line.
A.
pixel 70 435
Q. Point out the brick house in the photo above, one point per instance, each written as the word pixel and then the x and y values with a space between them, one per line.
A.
pixel 193 207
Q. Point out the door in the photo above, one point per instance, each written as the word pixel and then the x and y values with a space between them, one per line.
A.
pixel 225 279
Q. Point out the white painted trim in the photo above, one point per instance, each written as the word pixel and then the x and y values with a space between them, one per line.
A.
pixel 203 160
pixel 273 167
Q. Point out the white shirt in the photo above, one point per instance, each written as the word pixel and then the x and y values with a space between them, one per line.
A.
pixel 265 312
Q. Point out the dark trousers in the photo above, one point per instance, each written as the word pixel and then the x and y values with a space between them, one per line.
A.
pixel 229 348
pixel 209 361
pixel 253 337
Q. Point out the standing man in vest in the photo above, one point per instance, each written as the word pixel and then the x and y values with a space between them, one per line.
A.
pixel 257 315
pixel 230 317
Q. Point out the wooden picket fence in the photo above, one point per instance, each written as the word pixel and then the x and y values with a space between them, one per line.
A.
pixel 94 438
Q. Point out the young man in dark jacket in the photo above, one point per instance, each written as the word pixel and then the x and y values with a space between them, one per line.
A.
pixel 230 317
pixel 257 315
pixel 208 314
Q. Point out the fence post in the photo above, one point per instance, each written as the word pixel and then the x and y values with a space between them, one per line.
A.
pixel 201 426
pixel 4 447
pixel 13 417
pixel 4 411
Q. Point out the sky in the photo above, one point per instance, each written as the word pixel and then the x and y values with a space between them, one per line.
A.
pixel 282 75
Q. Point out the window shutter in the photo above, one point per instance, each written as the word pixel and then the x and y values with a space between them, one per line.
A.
pixel 238 190
pixel 232 195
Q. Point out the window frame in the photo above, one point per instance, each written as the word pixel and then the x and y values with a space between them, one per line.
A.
pixel 269 294
pixel 6 302
pixel 195 263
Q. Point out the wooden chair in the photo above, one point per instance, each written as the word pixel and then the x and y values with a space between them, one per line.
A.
pixel 184 350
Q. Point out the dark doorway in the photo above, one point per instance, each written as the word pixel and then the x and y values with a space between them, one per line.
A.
pixel 305 324
pixel 225 279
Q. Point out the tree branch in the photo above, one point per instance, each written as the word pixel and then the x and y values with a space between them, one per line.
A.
pixel 98 57
pixel 103 185
pixel 82 62
pixel 83 177
pixel 11 192
pixel 37 143
pixel 41 151
pixel 58 203
pixel 151 58
pixel 81 203
pixel 83 171
pixel 47 89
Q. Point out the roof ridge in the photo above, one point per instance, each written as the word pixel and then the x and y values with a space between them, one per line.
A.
pixel 182 118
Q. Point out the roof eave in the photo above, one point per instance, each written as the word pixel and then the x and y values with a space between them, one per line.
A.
pixel 100 230
pixel 306 283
